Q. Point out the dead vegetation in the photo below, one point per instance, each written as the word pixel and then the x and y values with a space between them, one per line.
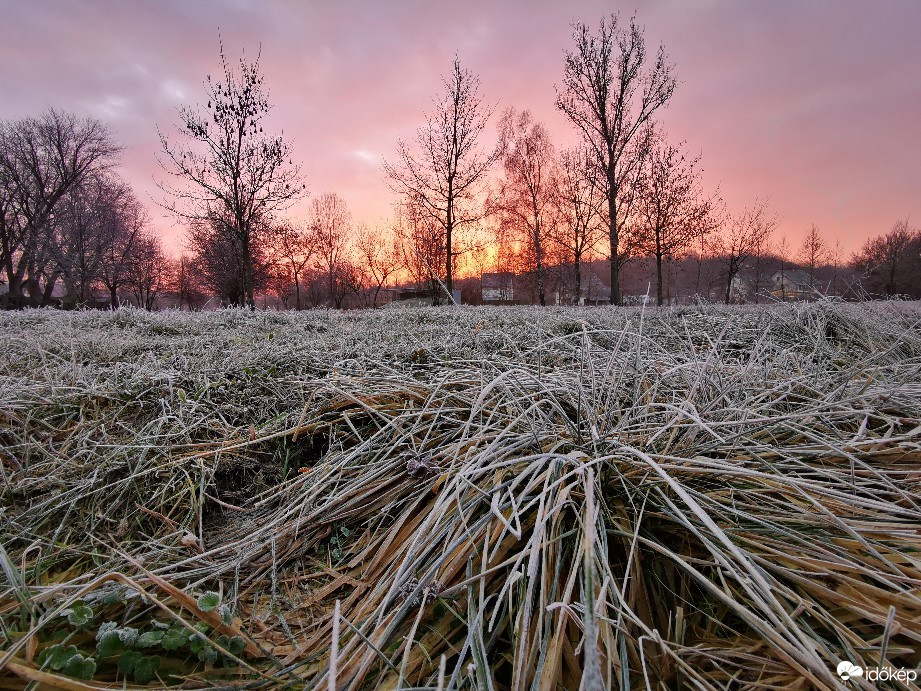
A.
pixel 512 498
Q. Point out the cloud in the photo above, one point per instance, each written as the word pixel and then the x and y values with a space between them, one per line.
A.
pixel 811 104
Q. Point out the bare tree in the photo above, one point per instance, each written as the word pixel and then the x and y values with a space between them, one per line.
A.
pixel 782 250
pixel 149 270
pixel 422 248
pixel 41 159
pixel 294 247
pixel 835 256
pixel 891 262
pixel 330 225
pixel 610 94
pixel 221 264
pixel 75 238
pixel 578 200
pixel 184 284
pixel 673 210
pixel 226 168
pixel 745 232
pixel 123 218
pixel 380 257
pixel 443 176
pixel 526 194
pixel 761 261
pixel 813 253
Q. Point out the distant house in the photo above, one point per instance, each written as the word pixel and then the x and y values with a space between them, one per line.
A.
pixel 498 288
pixel 594 292
pixel 792 286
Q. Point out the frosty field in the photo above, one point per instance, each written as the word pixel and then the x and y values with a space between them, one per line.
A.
pixel 490 498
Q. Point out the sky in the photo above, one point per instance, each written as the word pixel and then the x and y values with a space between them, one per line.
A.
pixel 812 104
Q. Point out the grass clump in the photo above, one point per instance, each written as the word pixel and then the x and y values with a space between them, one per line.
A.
pixel 465 498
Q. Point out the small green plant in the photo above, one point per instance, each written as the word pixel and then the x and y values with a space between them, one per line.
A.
pixel 79 615
pixel 209 601
pixel 137 652
pixel 67 659
pixel 338 539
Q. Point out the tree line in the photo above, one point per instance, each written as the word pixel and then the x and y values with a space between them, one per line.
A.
pixel 71 228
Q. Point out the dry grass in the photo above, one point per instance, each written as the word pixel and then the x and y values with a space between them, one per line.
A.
pixel 470 498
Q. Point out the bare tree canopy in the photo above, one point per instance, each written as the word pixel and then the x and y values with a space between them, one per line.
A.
pixel 442 176
pixel 579 228
pixel 526 194
pixel 330 227
pixel 891 263
pixel 294 247
pixel 379 257
pixel 673 211
pixel 41 159
pixel 150 271
pixel 813 253
pixel 744 234
pixel 610 92
pixel 225 167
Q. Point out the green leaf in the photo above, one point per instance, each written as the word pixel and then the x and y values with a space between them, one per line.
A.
pixel 207 654
pixel 57 656
pixel 208 601
pixel 237 645
pixel 145 671
pixel 109 644
pixel 197 643
pixel 104 628
pixel 128 635
pixel 128 661
pixel 226 615
pixel 149 639
pixel 81 615
pixel 113 597
pixel 81 667
pixel 174 639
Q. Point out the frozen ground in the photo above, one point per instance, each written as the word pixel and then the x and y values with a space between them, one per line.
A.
pixel 495 497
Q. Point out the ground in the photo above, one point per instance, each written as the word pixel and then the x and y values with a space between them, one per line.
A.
pixel 461 497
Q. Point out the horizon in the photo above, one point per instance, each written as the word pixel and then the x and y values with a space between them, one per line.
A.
pixel 824 128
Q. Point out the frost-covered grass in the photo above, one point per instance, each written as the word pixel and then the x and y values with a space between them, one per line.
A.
pixel 495 498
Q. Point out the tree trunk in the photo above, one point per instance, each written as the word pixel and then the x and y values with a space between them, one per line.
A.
pixel 658 268
pixel 577 265
pixel 449 254
pixel 49 290
pixel 615 241
pixel 113 295
pixel 541 298
pixel 248 289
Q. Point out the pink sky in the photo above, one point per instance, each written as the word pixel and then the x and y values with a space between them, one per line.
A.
pixel 815 104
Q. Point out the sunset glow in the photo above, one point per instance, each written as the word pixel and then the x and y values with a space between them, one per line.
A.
pixel 811 104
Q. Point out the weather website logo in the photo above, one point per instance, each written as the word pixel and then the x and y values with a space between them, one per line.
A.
pixel 848 670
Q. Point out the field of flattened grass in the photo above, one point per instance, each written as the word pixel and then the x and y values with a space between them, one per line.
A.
pixel 482 498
